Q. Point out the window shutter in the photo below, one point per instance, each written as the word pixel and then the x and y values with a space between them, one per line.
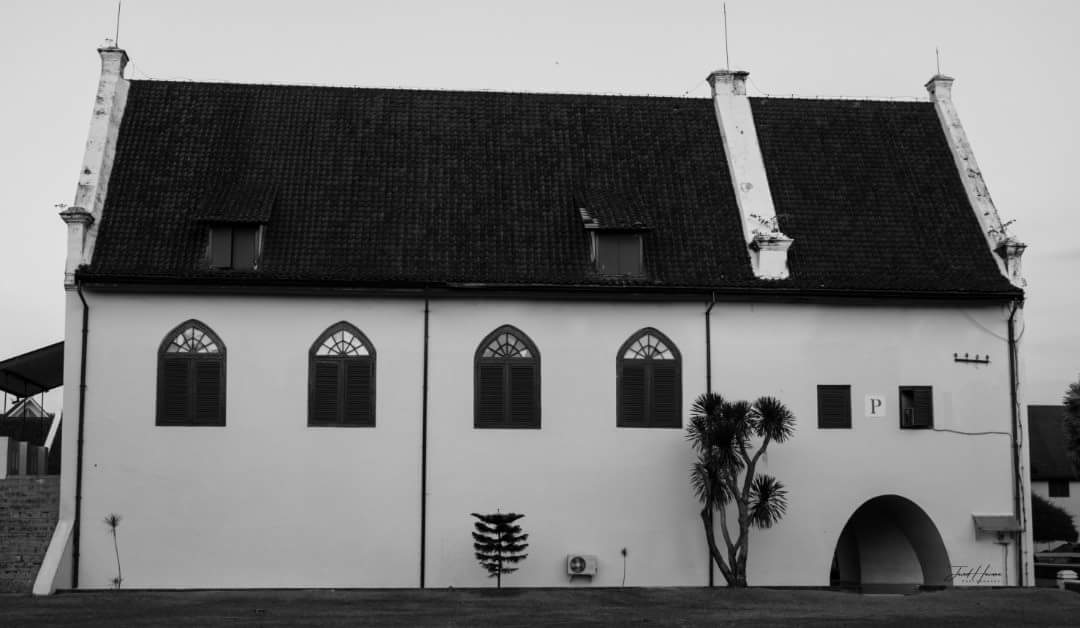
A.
pixel 220 247
pixel 244 247
pixel 325 398
pixel 834 406
pixel 924 407
pixel 632 396
pixel 666 394
pixel 523 410
pixel 173 399
pixel 630 254
pixel 490 395
pixel 209 400
pixel 358 406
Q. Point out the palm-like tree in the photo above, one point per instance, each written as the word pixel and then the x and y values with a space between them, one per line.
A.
pixel 1071 412
pixel 725 475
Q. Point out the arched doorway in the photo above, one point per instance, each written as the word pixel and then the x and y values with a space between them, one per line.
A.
pixel 890 545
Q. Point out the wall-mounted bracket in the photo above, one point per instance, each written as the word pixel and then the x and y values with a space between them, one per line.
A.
pixel 971 359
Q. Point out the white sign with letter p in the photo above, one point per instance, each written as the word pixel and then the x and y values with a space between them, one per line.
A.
pixel 875 406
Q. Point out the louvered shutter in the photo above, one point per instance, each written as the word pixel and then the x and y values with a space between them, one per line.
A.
pixel 490 395
pixel 632 395
pixel 523 398
pixel 666 394
pixel 325 392
pixel 358 407
pixel 173 391
pixel 924 406
pixel 209 393
pixel 220 247
pixel 834 407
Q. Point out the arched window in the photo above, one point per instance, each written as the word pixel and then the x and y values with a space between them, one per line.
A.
pixel 507 381
pixel 649 381
pixel 341 379
pixel 191 377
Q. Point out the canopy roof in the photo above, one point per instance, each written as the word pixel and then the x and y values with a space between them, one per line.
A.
pixel 33 372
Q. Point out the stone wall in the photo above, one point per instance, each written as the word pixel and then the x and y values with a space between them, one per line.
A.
pixel 28 514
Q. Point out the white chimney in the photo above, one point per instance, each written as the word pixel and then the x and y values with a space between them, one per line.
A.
pixel 766 244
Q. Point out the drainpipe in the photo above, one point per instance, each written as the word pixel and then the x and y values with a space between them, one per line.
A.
pixel 79 443
pixel 708 389
pixel 1018 489
pixel 423 448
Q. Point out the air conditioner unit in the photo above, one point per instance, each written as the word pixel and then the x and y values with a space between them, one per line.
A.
pixel 581 565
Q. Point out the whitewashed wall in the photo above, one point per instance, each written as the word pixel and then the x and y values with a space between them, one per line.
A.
pixel 268 502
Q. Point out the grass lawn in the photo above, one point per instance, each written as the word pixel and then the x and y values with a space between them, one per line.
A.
pixel 542 607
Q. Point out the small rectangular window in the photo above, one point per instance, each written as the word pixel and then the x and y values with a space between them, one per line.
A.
pixel 916 407
pixel 234 246
pixel 1059 488
pixel 618 253
pixel 834 407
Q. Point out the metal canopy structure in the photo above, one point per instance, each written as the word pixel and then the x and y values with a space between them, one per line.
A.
pixel 33 372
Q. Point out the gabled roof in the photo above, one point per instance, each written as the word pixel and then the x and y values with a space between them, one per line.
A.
pixel 382 187
pixel 26 408
pixel 1049 457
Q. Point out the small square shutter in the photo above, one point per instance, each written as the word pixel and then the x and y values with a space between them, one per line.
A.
pixel 325 398
pixel 666 394
pixel 358 406
pixel 523 410
pixel 173 391
pixel 924 406
pixel 490 396
pixel 220 247
pixel 834 406
pixel 209 396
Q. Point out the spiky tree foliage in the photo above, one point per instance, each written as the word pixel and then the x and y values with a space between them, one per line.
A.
pixel 499 543
pixel 1050 522
pixel 1071 407
pixel 725 476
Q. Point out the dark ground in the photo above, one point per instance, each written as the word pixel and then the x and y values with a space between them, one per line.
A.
pixel 543 607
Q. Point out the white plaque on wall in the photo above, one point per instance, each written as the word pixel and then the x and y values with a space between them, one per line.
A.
pixel 875 406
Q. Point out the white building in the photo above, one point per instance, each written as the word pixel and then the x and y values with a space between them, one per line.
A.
pixel 323 325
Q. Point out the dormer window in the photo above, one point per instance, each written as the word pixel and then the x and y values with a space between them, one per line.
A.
pixel 618 253
pixel 235 246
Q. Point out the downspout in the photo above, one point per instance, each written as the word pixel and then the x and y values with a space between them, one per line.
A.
pixel 1018 488
pixel 708 389
pixel 79 443
pixel 423 448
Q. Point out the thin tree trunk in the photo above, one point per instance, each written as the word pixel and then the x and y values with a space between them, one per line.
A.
pixel 710 538
pixel 116 548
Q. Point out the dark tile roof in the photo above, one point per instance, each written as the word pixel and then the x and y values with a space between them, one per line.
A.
pixel 407 187
pixel 1049 458
pixel 870 193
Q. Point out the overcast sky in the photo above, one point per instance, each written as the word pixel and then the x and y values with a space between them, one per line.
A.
pixel 1016 90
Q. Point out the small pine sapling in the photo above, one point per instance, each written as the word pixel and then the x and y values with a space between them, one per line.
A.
pixel 499 543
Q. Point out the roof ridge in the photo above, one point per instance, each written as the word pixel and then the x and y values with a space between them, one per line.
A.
pixel 409 88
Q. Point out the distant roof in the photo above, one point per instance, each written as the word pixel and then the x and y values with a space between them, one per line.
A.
pixel 1049 457
pixel 26 408
pixel 405 188
pixel 33 372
